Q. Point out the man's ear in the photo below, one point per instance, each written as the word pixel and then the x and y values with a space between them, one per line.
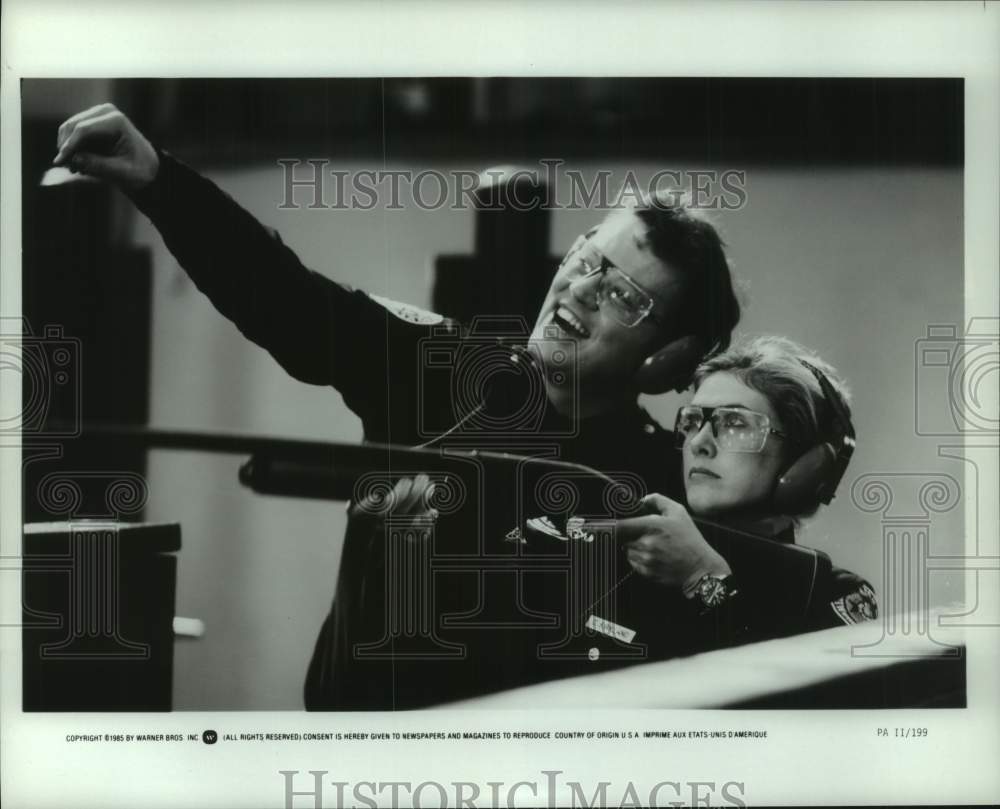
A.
pixel 672 367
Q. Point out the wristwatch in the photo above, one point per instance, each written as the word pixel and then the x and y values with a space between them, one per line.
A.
pixel 711 590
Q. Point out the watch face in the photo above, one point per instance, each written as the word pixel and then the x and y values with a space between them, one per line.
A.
pixel 712 591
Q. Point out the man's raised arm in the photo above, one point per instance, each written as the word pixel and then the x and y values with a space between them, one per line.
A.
pixel 244 268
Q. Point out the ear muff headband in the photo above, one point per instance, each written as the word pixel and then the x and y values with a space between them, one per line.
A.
pixel 814 477
pixel 672 367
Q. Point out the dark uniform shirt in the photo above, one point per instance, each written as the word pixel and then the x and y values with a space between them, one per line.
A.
pixel 485 601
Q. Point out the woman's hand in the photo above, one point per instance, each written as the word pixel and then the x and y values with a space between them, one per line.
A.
pixel 665 545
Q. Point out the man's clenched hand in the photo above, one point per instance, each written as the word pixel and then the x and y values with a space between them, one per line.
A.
pixel 103 143
pixel 411 498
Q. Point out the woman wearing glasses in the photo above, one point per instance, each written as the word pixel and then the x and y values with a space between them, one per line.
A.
pixel 756 408
pixel 765 440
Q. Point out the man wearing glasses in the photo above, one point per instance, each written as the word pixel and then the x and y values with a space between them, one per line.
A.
pixel 637 303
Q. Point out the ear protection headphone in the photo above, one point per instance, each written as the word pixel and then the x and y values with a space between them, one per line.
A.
pixel 814 477
pixel 672 367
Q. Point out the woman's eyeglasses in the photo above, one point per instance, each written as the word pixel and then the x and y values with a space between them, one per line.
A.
pixel 733 428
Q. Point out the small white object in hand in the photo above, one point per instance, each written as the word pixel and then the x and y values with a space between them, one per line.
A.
pixel 60 175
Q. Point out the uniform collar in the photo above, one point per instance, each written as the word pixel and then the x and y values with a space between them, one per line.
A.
pixel 619 421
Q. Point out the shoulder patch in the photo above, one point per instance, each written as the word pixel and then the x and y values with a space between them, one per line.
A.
pixel 856 607
pixel 408 312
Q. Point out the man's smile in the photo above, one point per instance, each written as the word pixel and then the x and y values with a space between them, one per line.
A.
pixel 567 320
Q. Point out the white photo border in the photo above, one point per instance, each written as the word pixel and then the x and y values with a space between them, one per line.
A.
pixel 816 757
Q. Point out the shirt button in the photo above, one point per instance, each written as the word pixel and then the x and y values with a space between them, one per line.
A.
pixel 594 653
pixel 649 428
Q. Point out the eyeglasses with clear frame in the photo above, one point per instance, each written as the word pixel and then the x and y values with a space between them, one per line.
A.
pixel 627 302
pixel 735 429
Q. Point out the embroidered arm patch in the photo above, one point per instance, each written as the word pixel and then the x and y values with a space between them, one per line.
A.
pixel 856 607
pixel 408 312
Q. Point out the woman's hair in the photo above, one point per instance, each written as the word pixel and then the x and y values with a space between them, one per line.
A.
pixel 773 366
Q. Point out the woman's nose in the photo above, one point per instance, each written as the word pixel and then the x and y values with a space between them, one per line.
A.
pixel 703 442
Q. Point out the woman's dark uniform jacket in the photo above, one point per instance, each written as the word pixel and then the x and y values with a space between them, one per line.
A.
pixel 373 352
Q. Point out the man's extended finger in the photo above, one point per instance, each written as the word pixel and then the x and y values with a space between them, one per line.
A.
pixel 428 498
pixel 67 126
pixel 399 493
pixel 414 496
pixel 423 489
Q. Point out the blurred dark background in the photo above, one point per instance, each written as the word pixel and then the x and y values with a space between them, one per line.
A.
pixel 783 121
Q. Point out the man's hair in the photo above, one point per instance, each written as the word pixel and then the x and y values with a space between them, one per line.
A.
pixel 684 239
pixel 773 367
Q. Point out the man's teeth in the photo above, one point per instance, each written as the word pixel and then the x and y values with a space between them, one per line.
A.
pixel 572 320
